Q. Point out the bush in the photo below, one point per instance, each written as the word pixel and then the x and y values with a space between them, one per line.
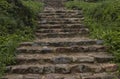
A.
pixel 17 24
pixel 17 14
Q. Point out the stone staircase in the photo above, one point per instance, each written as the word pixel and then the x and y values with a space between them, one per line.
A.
pixel 62 50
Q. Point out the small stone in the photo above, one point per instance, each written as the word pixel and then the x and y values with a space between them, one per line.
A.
pixel 48 77
pixel 78 68
pixel 35 44
pixel 46 50
pixel 102 59
pixel 64 69
pixel 31 77
pixel 62 60
pixel 36 70
pixel 86 68
pixel 85 59
pixel 62 49
pixel 110 67
pixel 49 69
pixel 95 69
pixel 18 70
pixel 109 77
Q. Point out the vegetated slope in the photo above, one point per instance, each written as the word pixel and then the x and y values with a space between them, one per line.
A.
pixel 103 19
pixel 62 50
pixel 17 23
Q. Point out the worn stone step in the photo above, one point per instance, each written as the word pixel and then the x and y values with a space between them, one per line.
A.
pixel 61 19
pixel 22 76
pixel 62 76
pixel 61 16
pixel 66 15
pixel 62 34
pixel 47 49
pixel 62 26
pixel 61 30
pixel 61 68
pixel 38 76
pixel 99 76
pixel 57 42
pixel 62 11
pixel 101 57
pixel 49 8
pixel 59 22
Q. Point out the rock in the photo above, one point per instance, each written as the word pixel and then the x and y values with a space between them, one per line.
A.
pixel 36 70
pixel 109 67
pixel 78 68
pixel 49 69
pixel 86 68
pixel 85 59
pixel 64 69
pixel 71 77
pixel 48 77
pixel 62 60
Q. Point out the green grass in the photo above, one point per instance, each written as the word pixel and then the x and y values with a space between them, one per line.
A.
pixel 103 20
pixel 17 24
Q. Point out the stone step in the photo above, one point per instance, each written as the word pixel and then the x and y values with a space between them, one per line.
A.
pixel 57 42
pixel 59 22
pixel 38 76
pixel 61 30
pixel 62 11
pixel 45 49
pixel 45 20
pixel 64 26
pixel 61 16
pixel 99 76
pixel 62 34
pixel 61 68
pixel 62 76
pixel 60 19
pixel 101 57
pixel 49 8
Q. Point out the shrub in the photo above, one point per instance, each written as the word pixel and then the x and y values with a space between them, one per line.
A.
pixel 17 24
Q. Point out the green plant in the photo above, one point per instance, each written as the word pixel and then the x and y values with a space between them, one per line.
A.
pixel 17 24
pixel 103 20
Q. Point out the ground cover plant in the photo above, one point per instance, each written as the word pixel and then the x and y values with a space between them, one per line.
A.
pixel 17 24
pixel 103 19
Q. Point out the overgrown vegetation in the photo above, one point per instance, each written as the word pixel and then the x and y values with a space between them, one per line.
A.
pixel 17 24
pixel 103 19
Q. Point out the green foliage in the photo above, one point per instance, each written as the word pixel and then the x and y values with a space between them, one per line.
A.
pixel 15 16
pixel 17 24
pixel 34 7
pixel 103 19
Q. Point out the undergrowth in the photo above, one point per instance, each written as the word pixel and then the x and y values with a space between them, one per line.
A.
pixel 17 24
pixel 103 20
